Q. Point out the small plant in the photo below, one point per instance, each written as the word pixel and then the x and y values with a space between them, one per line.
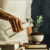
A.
pixel 38 23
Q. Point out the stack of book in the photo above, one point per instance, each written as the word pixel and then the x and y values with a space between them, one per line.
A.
pixel 7 45
pixel 35 46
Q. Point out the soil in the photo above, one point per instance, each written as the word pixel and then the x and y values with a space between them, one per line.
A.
pixel 37 33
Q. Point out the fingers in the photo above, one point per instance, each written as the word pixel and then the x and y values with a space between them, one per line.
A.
pixel 17 25
pixel 13 25
pixel 20 24
pixel 15 28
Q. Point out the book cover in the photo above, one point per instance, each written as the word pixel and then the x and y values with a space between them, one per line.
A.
pixel 27 45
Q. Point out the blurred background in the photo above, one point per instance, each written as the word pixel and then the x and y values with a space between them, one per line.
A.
pixel 42 7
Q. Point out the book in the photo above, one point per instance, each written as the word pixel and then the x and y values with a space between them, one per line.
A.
pixel 8 45
pixel 37 49
pixel 27 45
pixel 0 48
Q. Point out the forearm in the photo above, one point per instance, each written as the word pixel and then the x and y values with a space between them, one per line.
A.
pixel 5 16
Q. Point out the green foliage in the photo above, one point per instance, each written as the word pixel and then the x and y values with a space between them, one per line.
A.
pixel 38 23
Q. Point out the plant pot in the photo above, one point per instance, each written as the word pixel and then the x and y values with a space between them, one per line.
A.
pixel 37 38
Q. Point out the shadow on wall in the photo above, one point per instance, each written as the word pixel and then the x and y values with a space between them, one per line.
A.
pixel 42 7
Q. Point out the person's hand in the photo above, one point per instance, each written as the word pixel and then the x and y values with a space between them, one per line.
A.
pixel 16 24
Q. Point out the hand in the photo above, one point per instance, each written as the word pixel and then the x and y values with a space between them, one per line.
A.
pixel 16 24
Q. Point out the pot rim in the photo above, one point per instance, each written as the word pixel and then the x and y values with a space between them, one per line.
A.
pixel 37 35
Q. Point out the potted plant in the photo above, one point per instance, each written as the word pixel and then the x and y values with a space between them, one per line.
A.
pixel 36 36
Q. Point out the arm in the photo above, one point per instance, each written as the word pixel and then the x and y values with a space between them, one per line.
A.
pixel 4 15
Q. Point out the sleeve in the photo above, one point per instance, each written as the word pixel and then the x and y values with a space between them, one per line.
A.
pixel 28 11
pixel 3 36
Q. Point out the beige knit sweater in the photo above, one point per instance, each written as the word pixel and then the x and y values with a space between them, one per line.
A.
pixel 20 9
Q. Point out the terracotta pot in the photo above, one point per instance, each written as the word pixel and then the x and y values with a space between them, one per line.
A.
pixel 29 30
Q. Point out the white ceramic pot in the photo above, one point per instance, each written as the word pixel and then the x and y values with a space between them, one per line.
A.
pixel 37 38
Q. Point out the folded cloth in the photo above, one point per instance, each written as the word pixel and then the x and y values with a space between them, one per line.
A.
pixel 15 22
